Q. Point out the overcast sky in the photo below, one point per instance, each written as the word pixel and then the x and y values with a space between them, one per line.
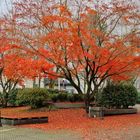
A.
pixel 4 5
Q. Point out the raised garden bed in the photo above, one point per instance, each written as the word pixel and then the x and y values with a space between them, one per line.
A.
pixel 100 111
pixel 19 121
pixel 120 111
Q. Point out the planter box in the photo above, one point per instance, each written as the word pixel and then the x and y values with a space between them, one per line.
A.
pixel 96 112
pixel 100 112
pixel 120 111
pixel 69 105
pixel 19 121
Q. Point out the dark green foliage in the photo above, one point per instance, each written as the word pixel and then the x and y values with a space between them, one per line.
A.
pixel 22 97
pixel 138 100
pixel 62 97
pixel 71 98
pixel 34 97
pixel 37 97
pixel 118 96
pixel 53 97
pixel 0 99
pixel 56 95
pixel 12 97
pixel 75 98
pixel 53 91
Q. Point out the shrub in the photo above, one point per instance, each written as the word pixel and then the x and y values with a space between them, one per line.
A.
pixel 29 96
pixel 75 98
pixel 138 100
pixel 62 97
pixel 53 97
pixel 12 97
pixel 1 99
pixel 71 98
pixel 78 97
pixel 34 97
pixel 56 95
pixel 118 96
pixel 53 91
pixel 37 97
pixel 22 97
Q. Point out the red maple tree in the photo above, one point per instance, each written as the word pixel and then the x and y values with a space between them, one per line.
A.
pixel 16 65
pixel 81 39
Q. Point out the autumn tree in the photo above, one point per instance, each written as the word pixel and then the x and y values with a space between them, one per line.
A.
pixel 16 65
pixel 8 71
pixel 82 39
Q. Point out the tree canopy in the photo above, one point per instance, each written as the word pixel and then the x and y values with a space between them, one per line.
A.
pixel 83 41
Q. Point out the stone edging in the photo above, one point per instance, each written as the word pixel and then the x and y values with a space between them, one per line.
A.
pixel 101 111
pixel 120 111
pixel 20 121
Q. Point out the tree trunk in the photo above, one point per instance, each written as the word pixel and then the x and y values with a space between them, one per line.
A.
pixel 87 102
pixel 95 94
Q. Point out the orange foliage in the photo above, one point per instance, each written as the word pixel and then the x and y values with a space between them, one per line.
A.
pixel 79 39
pixel 87 42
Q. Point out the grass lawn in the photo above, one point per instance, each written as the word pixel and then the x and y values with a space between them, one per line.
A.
pixel 75 120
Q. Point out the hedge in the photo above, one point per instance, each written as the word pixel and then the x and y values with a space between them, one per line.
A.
pixel 118 96
pixel 34 97
pixel 138 100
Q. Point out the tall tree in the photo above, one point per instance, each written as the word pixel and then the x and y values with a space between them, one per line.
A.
pixel 16 65
pixel 81 39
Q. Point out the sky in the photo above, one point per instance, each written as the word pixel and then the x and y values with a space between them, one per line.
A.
pixel 4 5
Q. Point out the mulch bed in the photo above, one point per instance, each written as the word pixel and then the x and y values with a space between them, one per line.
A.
pixel 74 119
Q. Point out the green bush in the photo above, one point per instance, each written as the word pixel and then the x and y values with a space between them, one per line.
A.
pixel 118 96
pixel 22 97
pixel 62 97
pixel 53 97
pixel 53 91
pixel 79 97
pixel 56 95
pixel 12 97
pixel 71 98
pixel 75 98
pixel 1 99
pixel 138 100
pixel 34 97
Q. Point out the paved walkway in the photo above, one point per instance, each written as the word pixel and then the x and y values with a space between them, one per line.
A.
pixel 15 133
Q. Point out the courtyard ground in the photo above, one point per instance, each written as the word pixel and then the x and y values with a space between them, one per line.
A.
pixel 72 124
pixel 14 133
